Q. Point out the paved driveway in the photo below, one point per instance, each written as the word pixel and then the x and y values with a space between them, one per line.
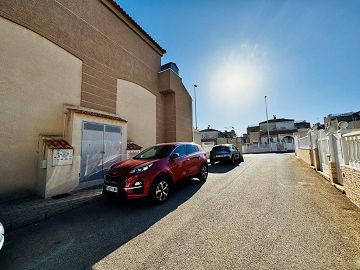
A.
pixel 271 212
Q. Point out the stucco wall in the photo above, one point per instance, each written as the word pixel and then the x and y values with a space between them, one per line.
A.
pixel 177 103
pixel 351 180
pixel 107 43
pixel 209 134
pixel 98 35
pixel 36 78
pixel 138 106
pixel 254 137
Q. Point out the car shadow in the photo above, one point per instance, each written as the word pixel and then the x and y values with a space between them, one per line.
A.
pixel 80 238
pixel 221 167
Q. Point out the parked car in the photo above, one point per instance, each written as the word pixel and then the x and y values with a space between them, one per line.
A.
pixel 2 235
pixel 154 171
pixel 225 152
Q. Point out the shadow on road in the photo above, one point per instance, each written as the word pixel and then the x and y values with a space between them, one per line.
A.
pixel 222 167
pixel 80 238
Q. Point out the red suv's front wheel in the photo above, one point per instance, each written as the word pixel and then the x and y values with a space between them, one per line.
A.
pixel 160 190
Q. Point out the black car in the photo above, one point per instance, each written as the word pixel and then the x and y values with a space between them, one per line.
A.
pixel 225 152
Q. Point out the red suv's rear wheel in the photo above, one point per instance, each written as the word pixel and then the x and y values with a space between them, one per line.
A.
pixel 203 172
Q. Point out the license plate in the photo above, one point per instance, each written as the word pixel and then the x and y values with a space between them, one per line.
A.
pixel 111 189
pixel 220 156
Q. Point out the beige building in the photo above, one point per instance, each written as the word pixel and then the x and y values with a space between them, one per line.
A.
pixel 78 79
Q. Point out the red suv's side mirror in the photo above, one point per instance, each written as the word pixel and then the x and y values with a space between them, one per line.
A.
pixel 174 156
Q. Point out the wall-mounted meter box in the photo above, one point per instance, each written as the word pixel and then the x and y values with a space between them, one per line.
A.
pixel 62 157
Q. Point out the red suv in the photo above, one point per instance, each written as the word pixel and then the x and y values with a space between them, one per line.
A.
pixel 155 170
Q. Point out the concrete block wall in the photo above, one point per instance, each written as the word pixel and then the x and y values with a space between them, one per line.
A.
pixel 351 179
pixel 333 172
pixel 316 159
pixel 305 155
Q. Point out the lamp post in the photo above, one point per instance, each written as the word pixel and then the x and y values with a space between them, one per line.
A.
pixel 196 126
pixel 267 122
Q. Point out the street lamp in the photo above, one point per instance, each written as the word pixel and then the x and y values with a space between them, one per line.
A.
pixel 267 121
pixel 195 107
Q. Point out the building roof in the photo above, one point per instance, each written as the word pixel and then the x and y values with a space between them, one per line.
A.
pixel 209 129
pixel 337 115
pixel 91 112
pixel 301 121
pixel 253 129
pixel 277 120
pixel 170 65
pixel 133 22
pixel 56 143
pixel 133 146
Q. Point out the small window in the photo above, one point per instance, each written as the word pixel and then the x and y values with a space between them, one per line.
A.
pixel 181 150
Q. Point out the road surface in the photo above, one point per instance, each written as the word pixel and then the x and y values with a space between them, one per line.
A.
pixel 270 212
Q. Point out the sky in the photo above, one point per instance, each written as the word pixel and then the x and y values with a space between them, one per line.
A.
pixel 303 55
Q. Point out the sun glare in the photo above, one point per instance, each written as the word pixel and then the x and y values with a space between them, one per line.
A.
pixel 238 78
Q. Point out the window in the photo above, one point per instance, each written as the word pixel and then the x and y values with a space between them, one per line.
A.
pixel 220 147
pixel 181 150
pixel 190 148
pixel 155 152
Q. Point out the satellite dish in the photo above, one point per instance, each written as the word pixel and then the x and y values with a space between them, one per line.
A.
pixel 343 125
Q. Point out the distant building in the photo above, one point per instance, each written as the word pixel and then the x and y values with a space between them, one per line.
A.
pixel 253 134
pixel 209 134
pixel 318 126
pixel 302 125
pixel 280 130
pixel 244 138
pixel 352 118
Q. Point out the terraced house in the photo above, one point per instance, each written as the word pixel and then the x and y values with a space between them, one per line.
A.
pixel 78 79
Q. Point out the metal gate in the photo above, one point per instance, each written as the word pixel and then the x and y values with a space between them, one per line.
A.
pixel 324 154
pixel 100 148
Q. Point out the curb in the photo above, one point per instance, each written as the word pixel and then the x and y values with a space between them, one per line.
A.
pixel 324 175
pixel 45 214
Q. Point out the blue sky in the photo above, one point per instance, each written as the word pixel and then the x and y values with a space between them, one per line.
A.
pixel 304 55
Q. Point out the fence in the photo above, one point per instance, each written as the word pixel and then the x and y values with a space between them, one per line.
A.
pixel 304 142
pixel 351 144
pixel 207 146
pixel 338 155
pixel 265 148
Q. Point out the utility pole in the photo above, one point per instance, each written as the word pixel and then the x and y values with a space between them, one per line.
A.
pixel 267 121
pixel 195 107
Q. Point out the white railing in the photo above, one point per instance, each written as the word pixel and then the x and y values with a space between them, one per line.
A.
pixel 324 153
pixel 255 148
pixel 351 149
pixel 304 142
pixel 264 148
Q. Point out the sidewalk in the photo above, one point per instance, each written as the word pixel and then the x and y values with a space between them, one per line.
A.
pixel 24 211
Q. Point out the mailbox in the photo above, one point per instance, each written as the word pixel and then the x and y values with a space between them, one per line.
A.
pixel 56 173
pixel 62 157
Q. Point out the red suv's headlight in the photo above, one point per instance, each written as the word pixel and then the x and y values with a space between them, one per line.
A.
pixel 141 169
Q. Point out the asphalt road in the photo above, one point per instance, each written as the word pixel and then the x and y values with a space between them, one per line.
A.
pixel 270 212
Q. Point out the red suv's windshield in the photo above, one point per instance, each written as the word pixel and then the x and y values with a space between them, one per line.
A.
pixel 155 152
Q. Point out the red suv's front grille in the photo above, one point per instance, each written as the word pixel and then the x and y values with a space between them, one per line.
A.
pixel 119 181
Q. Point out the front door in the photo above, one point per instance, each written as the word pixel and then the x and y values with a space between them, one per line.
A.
pixel 180 166
pixel 100 148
